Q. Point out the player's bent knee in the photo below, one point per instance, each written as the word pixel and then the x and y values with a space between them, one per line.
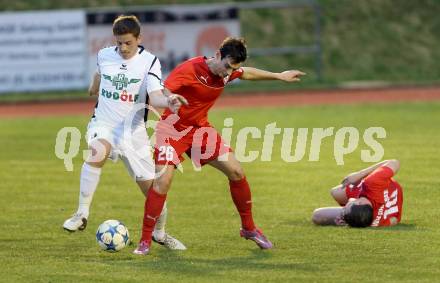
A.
pixel 99 151
pixel 335 194
pixel 144 185
pixel 236 174
pixel 394 164
pixel 163 184
pixel 339 195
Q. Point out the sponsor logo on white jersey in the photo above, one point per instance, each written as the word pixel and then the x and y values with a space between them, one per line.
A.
pixel 120 82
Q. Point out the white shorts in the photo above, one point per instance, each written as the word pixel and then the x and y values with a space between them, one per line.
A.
pixel 132 146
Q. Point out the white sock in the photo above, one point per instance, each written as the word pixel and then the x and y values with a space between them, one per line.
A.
pixel 88 183
pixel 159 228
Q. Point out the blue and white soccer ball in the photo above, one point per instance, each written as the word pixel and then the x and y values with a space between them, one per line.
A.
pixel 112 236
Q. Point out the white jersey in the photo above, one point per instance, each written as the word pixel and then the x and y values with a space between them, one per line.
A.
pixel 125 85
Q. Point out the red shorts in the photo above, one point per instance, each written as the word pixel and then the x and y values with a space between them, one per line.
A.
pixel 201 144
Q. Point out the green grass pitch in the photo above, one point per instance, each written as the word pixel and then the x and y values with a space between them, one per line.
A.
pixel 37 195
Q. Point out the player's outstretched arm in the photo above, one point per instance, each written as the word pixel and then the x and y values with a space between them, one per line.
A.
pixel 167 99
pixel 255 74
pixel 94 85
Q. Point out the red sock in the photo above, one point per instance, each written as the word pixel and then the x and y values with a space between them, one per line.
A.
pixel 241 195
pixel 153 207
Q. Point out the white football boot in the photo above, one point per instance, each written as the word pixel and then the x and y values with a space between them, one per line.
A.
pixel 76 222
pixel 169 242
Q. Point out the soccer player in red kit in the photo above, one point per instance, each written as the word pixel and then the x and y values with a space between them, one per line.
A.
pixel 201 80
pixel 370 197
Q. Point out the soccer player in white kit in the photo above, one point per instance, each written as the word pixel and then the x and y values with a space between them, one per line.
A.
pixel 128 78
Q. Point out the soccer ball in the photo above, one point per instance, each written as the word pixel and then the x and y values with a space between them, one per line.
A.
pixel 112 236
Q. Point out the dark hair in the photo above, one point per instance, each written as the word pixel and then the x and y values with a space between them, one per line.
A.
pixel 359 216
pixel 234 48
pixel 127 24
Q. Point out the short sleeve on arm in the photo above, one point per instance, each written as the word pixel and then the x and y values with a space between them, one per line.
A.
pixel 379 178
pixel 178 78
pixel 154 77
pixel 98 62
pixel 236 74
pixel 352 191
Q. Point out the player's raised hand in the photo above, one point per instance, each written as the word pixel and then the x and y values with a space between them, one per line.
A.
pixel 175 101
pixel 291 76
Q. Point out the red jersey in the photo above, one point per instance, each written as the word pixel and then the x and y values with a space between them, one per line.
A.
pixel 385 195
pixel 193 80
